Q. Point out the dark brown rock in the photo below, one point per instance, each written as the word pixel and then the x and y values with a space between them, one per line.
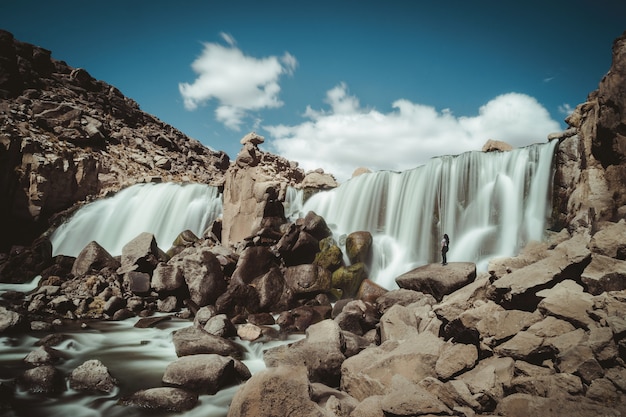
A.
pixel 438 280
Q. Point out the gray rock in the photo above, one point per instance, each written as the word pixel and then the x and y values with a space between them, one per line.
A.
pixel 205 373
pixel 92 376
pixel 192 341
pixel 162 398
pixel 438 280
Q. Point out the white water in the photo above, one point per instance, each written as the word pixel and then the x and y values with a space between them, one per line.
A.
pixel 164 210
pixel 490 204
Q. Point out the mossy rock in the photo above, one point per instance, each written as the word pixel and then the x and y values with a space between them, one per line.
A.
pixel 330 255
pixel 349 278
pixel 359 247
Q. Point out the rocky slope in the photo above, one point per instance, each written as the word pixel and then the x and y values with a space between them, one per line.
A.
pixel 66 137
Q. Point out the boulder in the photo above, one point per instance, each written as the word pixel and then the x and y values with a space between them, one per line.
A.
pixel 162 399
pixel 454 359
pixel 523 405
pixel 219 325
pixel 321 352
pixel 10 320
pixel 406 398
pixel 359 247
pixel 203 275
pixel 307 279
pixel 370 372
pixel 45 379
pixel 604 274
pixel 438 280
pixel 205 373
pixel 568 301
pixel 92 376
pixel 518 289
pixel 330 255
pixel 167 278
pixel 93 257
pixel 488 380
pixel 610 240
pixel 496 146
pixel 269 288
pixel 279 391
pixel 349 279
pixel 193 341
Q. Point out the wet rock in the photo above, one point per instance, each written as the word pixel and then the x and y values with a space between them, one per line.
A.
pixel 10 320
pixel 330 255
pixel 269 288
pixel 349 279
pixel 249 332
pixel 45 379
pixel 370 291
pixel 193 341
pixel 219 325
pixel 43 355
pixel 92 376
pixel 359 247
pixel 205 373
pixel 163 399
pixel 300 318
pixel 316 226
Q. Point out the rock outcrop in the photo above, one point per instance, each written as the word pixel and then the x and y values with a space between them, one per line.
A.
pixel 591 158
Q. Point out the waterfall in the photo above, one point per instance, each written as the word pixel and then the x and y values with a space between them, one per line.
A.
pixel 490 204
pixel 164 210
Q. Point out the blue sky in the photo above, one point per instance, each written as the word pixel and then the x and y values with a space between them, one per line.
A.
pixel 339 84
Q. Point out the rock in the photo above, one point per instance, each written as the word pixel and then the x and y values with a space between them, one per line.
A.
pixel 163 399
pixel 568 302
pixel 316 226
pixel 193 341
pixel 137 282
pixel 307 279
pixel 349 279
pixel 249 332
pixel 140 254
pixel 319 181
pixel 269 288
pixel 92 376
pixel 93 257
pixel 455 359
pixel 370 372
pixel 398 323
pixel 496 145
pixel 9 320
pixel 320 352
pixel 604 274
pixel 551 385
pixel 523 405
pixel 580 360
pixel 403 297
pixel 519 288
pixel 280 391
pixel 45 379
pixel 438 280
pixel 370 291
pixel 219 325
pixel 205 373
pixel 406 398
pixel 330 255
pixel 609 241
pixel 254 262
pixel 167 278
pixel 527 347
pixel 488 380
pixel 203 275
pixel 359 247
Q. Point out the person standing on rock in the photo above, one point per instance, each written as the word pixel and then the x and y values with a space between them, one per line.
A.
pixel 445 242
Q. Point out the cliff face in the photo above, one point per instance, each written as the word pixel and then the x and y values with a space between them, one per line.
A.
pixel 591 157
pixel 66 137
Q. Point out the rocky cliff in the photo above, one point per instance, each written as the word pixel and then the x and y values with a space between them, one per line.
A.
pixel 591 157
pixel 66 137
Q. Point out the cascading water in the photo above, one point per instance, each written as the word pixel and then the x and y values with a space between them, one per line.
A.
pixel 164 210
pixel 490 204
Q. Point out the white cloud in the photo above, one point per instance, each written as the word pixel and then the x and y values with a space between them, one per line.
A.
pixel 565 109
pixel 239 83
pixel 347 136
